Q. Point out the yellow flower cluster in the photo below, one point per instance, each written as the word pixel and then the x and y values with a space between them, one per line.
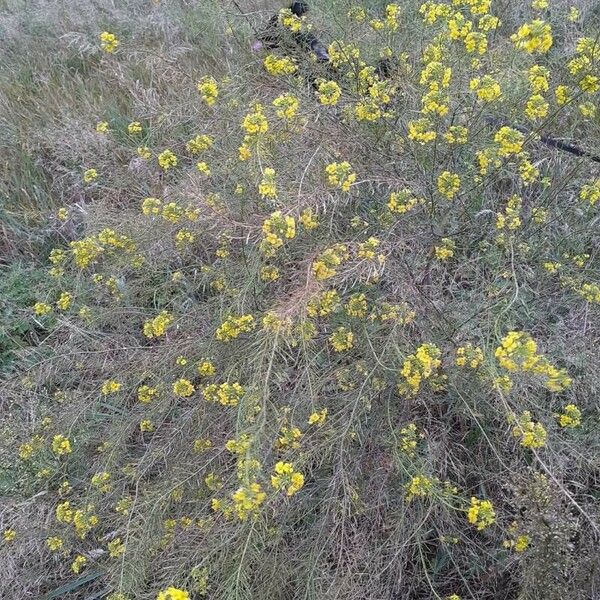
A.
pixel 518 353
pixel 109 42
pixel 318 418
pixel 209 90
pixel 534 37
pixel 285 478
pixel 146 394
pixel 287 106
pixel 167 159
pixel 158 326
pixel 445 250
pixel 255 123
pixel 570 416
pixel 421 131
pixel 247 500
pixel 486 88
pixel 276 229
pixel 423 364
pixel 469 356
pixel 356 306
pixel 183 388
pixel 510 141
pixel 590 192
pixel 267 187
pixel 532 433
pixel 419 485
pixel 90 175
pixel 448 184
pixel 110 386
pixel 403 201
pixel 340 175
pixel 328 92
pixel 408 439
pixel 173 593
pixel 199 144
pixel 227 394
pixel 234 326
pixel 481 513
pixel 519 542
pixel 324 267
pixel 511 217
pixel 279 65
pixel 341 339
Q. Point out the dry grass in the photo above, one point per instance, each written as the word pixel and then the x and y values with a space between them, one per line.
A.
pixel 351 532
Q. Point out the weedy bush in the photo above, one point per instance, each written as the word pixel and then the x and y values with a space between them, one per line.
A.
pixel 308 330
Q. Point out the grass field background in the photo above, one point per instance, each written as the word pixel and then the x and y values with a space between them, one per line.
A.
pixel 352 355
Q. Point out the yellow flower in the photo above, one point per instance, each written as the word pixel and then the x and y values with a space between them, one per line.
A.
pixel 78 563
pixel 146 394
pixel 422 365
pixel 173 594
pixel 255 123
pixel 481 513
pixel 183 388
pixel 267 187
pixel 276 229
pixel 445 250
pixel 534 37
pixel 41 308
pixel 144 152
pixel 318 418
pixel 209 90
pixel 419 485
pixel 510 141
pixel 247 500
pixel 341 339
pixel 286 478
pixel 328 92
pixel 227 394
pixel 9 535
pixel 62 213
pixel 61 445
pixel 537 107
pixel 90 175
pixel 158 326
pixel 469 356
pixel 55 543
pixel 340 175
pixel 108 42
pixel 147 426
pixel 573 14
pixel 234 326
pixel 134 127
pixel 110 386
pixel 206 368
pixel 448 184
pixel 64 301
pixel 324 267
pixel 486 88
pixel 166 159
pixel 356 306
pixel 269 273
pixel 102 127
pixel 115 548
pixel 287 106
pixel 532 433
pixel 408 439
pixel 279 65
pixel 420 131
pixel 570 417
pixel 199 144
